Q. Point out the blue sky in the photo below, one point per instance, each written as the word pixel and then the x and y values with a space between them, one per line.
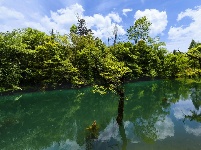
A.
pixel 176 22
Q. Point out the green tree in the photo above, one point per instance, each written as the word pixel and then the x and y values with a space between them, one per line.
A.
pixel 148 59
pixel 194 54
pixel 73 29
pixel 125 52
pixel 140 30
pixel 175 65
pixel 10 72
pixel 32 38
pixel 160 51
pixel 192 44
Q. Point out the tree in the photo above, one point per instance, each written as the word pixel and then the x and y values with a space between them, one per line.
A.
pixel 125 53
pixel 195 54
pixel 147 59
pixel 140 30
pixel 73 29
pixel 192 44
pixel 10 48
pixel 32 38
pixel 82 29
pixel 175 65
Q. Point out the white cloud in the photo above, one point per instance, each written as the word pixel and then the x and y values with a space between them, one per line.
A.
pixel 103 26
pixel 158 19
pixel 180 37
pixel 34 25
pixel 6 13
pixel 125 11
pixel 115 17
pixel 60 20
pixel 67 15
pixel 10 18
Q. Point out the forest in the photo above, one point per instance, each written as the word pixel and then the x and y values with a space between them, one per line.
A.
pixel 31 59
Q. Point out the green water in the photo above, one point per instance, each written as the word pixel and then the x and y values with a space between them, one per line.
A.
pixel 158 115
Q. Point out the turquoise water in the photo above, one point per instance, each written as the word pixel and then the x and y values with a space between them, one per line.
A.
pixel 157 115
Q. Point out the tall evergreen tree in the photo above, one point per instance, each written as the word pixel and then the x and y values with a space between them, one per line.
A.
pixel 192 44
pixel 82 29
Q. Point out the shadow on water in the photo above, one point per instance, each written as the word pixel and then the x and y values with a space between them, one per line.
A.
pixel 143 115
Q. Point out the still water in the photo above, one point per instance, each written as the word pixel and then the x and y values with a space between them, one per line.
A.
pixel 158 115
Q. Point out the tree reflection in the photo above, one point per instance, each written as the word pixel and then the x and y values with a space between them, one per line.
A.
pixel 194 116
pixel 139 113
pixel 91 135
pixel 196 99
pixel 123 136
pixel 120 116
pixel 146 106
pixel 196 96
pixel 54 117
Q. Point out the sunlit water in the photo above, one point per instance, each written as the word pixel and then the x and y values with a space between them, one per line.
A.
pixel 158 115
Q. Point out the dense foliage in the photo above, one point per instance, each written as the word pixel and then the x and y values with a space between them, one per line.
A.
pixel 29 58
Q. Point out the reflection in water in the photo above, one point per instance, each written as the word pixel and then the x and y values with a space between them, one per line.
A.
pixel 164 128
pixel 163 113
pixel 194 131
pixel 182 108
pixel 190 110
pixel 196 96
pixel 129 128
pixel 110 132
pixel 92 135
pixel 123 137
pixel 120 116
pixel 64 145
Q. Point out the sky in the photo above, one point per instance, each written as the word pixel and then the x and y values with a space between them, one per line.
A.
pixel 176 22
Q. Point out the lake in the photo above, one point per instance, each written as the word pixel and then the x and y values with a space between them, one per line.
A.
pixel 158 115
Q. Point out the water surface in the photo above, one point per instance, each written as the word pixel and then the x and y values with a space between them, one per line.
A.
pixel 158 115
